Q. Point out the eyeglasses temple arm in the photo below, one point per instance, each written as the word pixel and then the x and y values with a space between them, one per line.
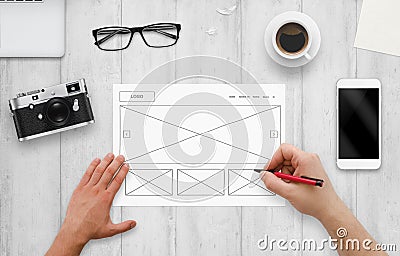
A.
pixel 114 32
pixel 157 29
pixel 166 34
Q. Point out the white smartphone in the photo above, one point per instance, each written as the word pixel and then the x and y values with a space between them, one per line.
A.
pixel 358 123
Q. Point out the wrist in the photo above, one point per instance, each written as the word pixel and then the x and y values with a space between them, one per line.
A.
pixel 334 209
pixel 66 243
pixel 72 235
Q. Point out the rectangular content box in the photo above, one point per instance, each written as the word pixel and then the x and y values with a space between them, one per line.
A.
pixel 201 182
pixel 149 182
pixel 136 96
pixel 246 182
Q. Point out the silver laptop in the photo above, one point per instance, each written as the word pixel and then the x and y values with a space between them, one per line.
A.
pixel 32 28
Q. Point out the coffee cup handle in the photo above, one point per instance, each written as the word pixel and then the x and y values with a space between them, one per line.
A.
pixel 308 56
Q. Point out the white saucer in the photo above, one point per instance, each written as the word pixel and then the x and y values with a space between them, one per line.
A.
pixel 290 17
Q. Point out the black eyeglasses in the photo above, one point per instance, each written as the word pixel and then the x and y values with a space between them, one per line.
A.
pixel 119 38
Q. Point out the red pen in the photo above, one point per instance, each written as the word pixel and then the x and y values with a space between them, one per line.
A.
pixel 302 179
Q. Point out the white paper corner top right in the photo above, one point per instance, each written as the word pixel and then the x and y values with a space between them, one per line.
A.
pixel 378 27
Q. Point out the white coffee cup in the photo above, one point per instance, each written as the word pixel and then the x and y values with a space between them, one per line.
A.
pixel 301 54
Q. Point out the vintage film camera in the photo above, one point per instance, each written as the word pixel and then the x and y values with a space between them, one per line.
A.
pixel 50 110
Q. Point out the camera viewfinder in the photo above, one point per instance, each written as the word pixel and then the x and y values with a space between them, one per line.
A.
pixel 74 87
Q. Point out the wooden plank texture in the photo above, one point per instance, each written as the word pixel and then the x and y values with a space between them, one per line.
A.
pixel 30 171
pixel 37 177
pixel 336 59
pixel 377 190
pixel 209 230
pixel 275 222
pixel 100 69
pixel 156 225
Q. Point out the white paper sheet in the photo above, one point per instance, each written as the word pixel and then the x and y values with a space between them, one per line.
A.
pixel 197 144
pixel 378 26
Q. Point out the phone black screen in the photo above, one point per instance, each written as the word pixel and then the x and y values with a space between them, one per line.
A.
pixel 359 123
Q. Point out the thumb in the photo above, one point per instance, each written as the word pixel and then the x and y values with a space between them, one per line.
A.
pixel 122 227
pixel 275 184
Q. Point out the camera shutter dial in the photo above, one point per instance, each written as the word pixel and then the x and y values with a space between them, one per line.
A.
pixel 57 111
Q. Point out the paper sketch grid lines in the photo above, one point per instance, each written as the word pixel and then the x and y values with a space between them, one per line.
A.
pixel 197 152
pixel 250 182
pixel 196 134
pixel 218 192
pixel 144 182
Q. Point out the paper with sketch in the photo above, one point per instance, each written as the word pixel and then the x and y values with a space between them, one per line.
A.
pixel 378 26
pixel 197 144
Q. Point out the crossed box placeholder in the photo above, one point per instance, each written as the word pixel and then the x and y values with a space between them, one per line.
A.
pixel 201 182
pixel 197 182
pixel 246 183
pixel 149 182
pixel 194 182
pixel 133 111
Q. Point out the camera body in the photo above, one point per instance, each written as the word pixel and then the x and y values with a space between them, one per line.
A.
pixel 50 110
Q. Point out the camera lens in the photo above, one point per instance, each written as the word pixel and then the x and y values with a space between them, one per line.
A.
pixel 57 111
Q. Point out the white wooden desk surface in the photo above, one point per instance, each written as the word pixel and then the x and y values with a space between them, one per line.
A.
pixel 38 177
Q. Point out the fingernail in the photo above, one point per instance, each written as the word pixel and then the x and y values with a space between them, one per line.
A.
pixel 121 157
pixel 110 155
pixel 97 160
pixel 126 165
pixel 133 224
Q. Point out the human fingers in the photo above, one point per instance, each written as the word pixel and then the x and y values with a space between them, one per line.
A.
pixel 283 154
pixel 110 171
pixel 118 179
pixel 276 184
pixel 89 172
pixel 115 229
pixel 98 172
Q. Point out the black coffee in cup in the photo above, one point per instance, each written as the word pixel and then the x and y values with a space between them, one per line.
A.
pixel 292 38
